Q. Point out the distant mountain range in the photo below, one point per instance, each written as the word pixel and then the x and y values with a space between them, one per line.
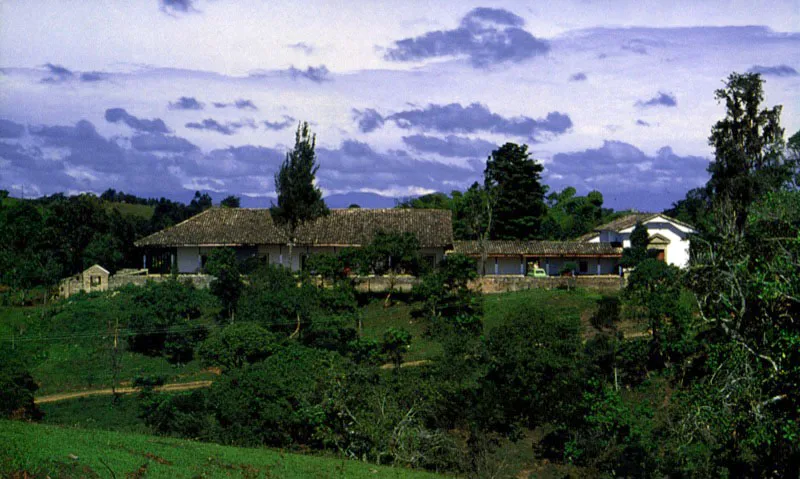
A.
pixel 364 200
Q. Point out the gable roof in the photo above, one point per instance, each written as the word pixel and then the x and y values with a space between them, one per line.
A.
pixel 342 227
pixel 631 219
pixel 538 248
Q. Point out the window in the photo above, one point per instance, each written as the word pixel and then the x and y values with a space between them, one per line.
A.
pixel 95 280
pixel 429 260
pixel 583 267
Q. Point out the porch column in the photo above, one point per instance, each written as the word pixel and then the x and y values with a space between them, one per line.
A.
pixel 496 267
pixel 547 266
pixel 598 266
pixel 144 261
pixel 522 265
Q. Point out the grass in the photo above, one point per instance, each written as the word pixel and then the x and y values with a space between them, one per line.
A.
pixel 128 209
pixel 96 412
pixel 377 319
pixel 67 346
pixel 45 450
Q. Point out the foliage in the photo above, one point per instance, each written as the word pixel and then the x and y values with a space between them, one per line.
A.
pixel 395 253
pixel 654 287
pixel 299 199
pixel 230 202
pixel 446 298
pixel 278 401
pixel 569 267
pixel 181 415
pixel 227 285
pixel 395 343
pixel 748 146
pixel 637 252
pixel 164 318
pixel 17 387
pixel 516 180
pixel 534 369
pixel 237 345
pixel 569 216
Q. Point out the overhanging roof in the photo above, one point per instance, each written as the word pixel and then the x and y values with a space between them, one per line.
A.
pixel 552 249
pixel 342 227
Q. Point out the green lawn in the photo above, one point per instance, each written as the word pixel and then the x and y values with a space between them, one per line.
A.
pixel 66 452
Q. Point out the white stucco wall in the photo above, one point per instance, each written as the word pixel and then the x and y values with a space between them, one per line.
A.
pixel 677 252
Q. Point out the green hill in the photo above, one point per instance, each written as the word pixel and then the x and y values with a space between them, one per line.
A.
pixel 53 451
pixel 128 209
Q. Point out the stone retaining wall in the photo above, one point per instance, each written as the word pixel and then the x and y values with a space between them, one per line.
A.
pixel 503 284
pixel 198 280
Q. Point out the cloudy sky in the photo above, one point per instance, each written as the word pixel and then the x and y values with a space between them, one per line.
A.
pixel 165 97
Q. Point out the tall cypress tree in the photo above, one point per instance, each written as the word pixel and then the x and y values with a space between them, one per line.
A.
pixel 299 200
pixel 515 178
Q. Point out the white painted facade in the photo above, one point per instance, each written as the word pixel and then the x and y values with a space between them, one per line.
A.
pixel 190 259
pixel 552 266
pixel 676 251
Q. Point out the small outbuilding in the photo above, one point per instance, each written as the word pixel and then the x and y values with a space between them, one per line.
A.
pixel 93 278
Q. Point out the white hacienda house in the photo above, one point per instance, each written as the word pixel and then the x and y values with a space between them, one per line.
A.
pixel 668 236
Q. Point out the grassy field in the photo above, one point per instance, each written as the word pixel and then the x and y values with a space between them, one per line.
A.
pixel 127 209
pixel 65 452
pixel 96 412
pixel 67 346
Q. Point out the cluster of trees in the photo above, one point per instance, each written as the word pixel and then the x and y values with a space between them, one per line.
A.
pixel 512 203
pixel 712 392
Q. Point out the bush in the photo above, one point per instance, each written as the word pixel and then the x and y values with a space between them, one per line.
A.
pixel 277 402
pixel 17 388
pixel 237 345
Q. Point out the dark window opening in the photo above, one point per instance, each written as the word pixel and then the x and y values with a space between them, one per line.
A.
pixel 583 267
pixel 95 280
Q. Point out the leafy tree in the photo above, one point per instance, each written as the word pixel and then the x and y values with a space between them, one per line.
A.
pixel 227 284
pixel 748 146
pixel 274 300
pixel 299 199
pixel 534 373
pixel 516 178
pixel 569 216
pixel 477 207
pixel 199 203
pixel 637 252
pixel 396 342
pixel 654 288
pixel 237 345
pixel 278 401
pixel 230 202
pixel 393 253
pixel 165 318
pixel 447 299
pixel 17 388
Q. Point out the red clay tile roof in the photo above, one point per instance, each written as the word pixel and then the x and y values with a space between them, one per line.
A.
pixel 343 227
pixel 538 248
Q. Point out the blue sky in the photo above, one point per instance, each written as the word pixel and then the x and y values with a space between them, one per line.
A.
pixel 165 97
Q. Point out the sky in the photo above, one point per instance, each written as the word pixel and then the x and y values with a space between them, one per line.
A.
pixel 167 97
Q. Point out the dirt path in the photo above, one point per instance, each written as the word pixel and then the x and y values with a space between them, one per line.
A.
pixel 121 390
pixel 409 364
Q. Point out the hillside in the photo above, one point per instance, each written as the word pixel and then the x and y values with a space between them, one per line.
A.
pixel 53 451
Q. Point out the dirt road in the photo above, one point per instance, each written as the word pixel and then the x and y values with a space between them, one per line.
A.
pixel 120 390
